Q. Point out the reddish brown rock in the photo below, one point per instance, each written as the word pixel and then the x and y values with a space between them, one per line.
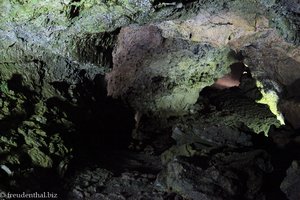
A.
pixel 134 44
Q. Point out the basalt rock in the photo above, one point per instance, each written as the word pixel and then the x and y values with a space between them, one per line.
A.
pixel 167 75
pixel 214 173
pixel 157 57
pixel 225 119
pixel 291 184
pixel 101 184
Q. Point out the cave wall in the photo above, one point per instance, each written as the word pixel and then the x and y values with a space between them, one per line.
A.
pixel 156 56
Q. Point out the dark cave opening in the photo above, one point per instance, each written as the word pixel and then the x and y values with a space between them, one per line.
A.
pixel 237 70
pixel 99 126
pixel 74 9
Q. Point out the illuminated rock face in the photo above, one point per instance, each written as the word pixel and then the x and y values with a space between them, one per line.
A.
pixel 163 74
pixel 233 78
pixel 247 31
pixel 65 37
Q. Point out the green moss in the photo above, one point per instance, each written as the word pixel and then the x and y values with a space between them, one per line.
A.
pixel 8 141
pixel 21 11
pixel 285 22
pixel 25 131
pixel 270 98
pixel 8 94
pixel 230 108
pixel 178 101
pixel 14 159
pixel 39 158
pixel 189 75
pixel 57 146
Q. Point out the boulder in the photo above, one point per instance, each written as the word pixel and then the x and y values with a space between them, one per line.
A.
pixel 217 174
pixel 291 183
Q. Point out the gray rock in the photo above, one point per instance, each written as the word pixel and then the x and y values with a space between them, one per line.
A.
pixel 219 174
pixel 218 135
pixel 128 185
pixel 85 184
pixel 291 183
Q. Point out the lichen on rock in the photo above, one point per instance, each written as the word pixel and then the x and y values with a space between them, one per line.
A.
pixel 183 67
pixel 24 130
pixel 271 99
pixel 161 59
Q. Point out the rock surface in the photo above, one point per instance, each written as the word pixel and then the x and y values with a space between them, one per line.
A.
pixel 168 73
pixel 94 93
pixel 214 173
pixel 99 183
pixel 291 183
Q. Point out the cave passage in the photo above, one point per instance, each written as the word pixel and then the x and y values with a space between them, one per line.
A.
pixel 150 99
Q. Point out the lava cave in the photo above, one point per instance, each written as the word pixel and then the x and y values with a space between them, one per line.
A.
pixel 150 99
